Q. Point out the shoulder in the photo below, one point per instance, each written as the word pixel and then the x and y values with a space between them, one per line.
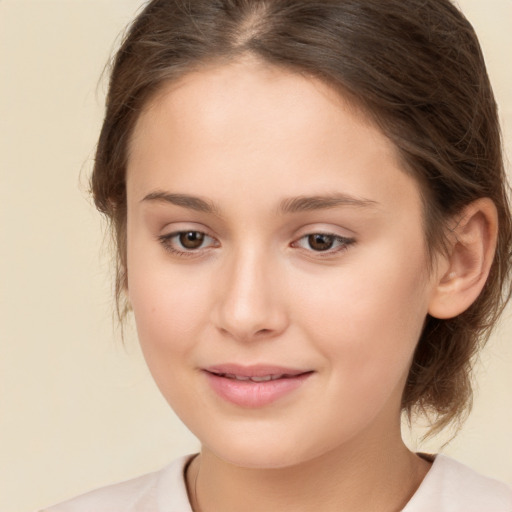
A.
pixel 453 487
pixel 162 490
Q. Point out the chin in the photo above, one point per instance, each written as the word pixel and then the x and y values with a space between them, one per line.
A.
pixel 260 459
pixel 261 452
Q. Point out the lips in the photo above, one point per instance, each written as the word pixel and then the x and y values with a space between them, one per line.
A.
pixel 254 386
pixel 260 370
pixel 263 378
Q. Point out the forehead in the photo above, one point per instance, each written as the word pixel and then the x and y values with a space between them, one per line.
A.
pixel 243 95
pixel 256 125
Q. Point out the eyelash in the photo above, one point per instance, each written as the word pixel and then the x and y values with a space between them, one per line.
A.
pixel 343 244
pixel 167 243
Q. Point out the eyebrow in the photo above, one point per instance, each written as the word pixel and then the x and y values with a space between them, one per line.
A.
pixel 184 200
pixel 287 206
pixel 309 203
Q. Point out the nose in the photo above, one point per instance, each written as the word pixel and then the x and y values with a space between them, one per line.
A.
pixel 249 303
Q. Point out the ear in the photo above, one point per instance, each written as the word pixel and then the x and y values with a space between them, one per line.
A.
pixel 463 271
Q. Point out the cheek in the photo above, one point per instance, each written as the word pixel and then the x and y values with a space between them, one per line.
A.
pixel 168 315
pixel 169 309
pixel 367 317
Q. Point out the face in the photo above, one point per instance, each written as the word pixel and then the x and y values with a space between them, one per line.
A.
pixel 276 264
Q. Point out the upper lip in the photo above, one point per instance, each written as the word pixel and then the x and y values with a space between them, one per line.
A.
pixel 259 370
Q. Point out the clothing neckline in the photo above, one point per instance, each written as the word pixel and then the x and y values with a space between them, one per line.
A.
pixel 434 459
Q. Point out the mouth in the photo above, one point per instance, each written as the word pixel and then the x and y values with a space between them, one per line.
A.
pixel 259 378
pixel 255 386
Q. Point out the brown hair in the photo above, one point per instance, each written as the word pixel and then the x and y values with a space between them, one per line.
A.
pixel 415 66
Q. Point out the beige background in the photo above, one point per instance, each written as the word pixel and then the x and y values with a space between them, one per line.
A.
pixel 77 410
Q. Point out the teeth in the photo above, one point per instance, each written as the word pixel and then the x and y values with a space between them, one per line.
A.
pixel 236 377
pixel 244 378
pixel 262 379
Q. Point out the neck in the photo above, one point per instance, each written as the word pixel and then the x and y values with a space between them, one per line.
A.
pixel 383 476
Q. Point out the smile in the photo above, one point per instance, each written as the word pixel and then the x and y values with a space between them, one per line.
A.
pixel 253 387
pixel 263 378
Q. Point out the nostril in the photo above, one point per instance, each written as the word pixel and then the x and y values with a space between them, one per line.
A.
pixel 263 331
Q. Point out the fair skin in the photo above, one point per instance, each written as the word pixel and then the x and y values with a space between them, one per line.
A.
pixel 333 288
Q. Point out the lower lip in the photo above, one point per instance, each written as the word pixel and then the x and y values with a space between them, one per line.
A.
pixel 254 394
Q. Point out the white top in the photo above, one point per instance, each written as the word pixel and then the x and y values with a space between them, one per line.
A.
pixel 448 487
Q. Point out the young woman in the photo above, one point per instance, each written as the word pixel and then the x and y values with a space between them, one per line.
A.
pixel 314 236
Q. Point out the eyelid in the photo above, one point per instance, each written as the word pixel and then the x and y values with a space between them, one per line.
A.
pixel 167 238
pixel 344 241
pixel 340 242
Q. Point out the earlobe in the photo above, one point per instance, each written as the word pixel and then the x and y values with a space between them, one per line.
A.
pixel 466 266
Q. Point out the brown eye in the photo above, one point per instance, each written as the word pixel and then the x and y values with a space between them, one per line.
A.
pixel 321 242
pixel 191 239
pixel 328 243
pixel 187 243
